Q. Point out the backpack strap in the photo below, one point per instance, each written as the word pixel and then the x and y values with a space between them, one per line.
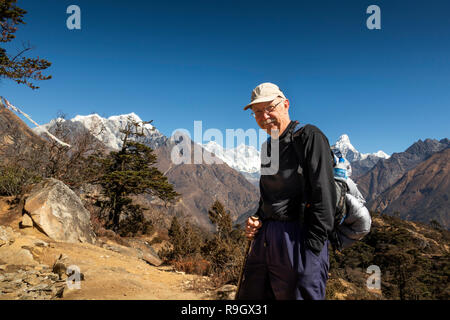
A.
pixel 297 142
pixel 298 135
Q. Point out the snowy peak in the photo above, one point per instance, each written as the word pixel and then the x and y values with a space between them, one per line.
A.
pixel 107 130
pixel 381 154
pixel 123 119
pixel 243 158
pixel 349 152
pixel 344 139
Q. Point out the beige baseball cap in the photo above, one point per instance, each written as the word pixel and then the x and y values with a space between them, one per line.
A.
pixel 265 92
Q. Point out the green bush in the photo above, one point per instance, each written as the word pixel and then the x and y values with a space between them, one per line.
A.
pixel 14 178
pixel 412 266
pixel 220 254
pixel 134 222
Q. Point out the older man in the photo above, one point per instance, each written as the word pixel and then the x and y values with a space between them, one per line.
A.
pixel 289 254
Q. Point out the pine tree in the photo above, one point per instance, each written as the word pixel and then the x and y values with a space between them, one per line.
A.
pixel 221 218
pixel 130 171
pixel 18 68
pixel 186 241
pixel 225 250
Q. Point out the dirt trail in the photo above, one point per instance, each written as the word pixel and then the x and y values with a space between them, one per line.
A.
pixel 108 274
pixel 111 275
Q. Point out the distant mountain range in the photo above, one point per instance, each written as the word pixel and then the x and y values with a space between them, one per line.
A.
pixel 388 171
pixel 199 184
pixel 422 193
pixel 413 183
pixel 360 162
pixel 390 184
pixel 107 130
pixel 246 159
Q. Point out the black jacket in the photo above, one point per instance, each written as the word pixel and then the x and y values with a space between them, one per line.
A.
pixel 302 188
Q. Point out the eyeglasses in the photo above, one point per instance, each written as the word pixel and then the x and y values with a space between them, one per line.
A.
pixel 265 110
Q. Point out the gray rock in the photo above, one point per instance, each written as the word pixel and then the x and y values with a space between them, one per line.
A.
pixel 58 292
pixel 32 280
pixel 151 259
pixel 226 292
pixel 40 287
pixel 7 236
pixel 32 272
pixel 7 290
pixel 52 277
pixel 59 213
pixel 42 267
pixel 40 243
pixel 9 276
pixel 26 222
pixel 145 251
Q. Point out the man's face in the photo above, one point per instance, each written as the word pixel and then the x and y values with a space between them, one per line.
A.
pixel 269 118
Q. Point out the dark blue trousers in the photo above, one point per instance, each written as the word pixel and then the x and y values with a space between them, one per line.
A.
pixel 281 267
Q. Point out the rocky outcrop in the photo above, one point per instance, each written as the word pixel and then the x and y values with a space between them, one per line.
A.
pixel 59 213
pixel 27 283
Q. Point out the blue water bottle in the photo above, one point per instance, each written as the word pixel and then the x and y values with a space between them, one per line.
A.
pixel 340 170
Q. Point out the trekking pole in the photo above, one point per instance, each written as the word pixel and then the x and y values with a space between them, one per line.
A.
pixel 248 245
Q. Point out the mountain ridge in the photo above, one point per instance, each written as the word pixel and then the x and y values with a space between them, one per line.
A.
pixel 421 194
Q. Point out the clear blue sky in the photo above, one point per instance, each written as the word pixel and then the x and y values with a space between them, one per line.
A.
pixel 176 62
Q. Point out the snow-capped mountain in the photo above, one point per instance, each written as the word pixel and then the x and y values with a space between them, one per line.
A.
pixel 246 159
pixel 243 158
pixel 360 162
pixel 349 152
pixel 107 130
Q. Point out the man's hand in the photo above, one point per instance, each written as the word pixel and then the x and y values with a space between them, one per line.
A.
pixel 253 224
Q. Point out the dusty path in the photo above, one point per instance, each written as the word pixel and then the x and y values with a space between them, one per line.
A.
pixel 108 274
pixel 111 275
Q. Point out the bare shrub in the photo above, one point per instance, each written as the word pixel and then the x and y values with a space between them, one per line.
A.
pixel 14 178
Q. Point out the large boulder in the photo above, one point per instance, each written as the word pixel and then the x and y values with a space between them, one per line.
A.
pixel 59 213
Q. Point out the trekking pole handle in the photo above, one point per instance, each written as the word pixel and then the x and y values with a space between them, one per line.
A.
pixel 248 245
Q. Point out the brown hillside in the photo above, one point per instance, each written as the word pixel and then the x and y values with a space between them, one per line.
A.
pixel 422 193
pixel 201 184
pixel 15 133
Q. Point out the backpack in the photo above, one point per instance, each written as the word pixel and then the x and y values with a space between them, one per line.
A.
pixel 348 203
